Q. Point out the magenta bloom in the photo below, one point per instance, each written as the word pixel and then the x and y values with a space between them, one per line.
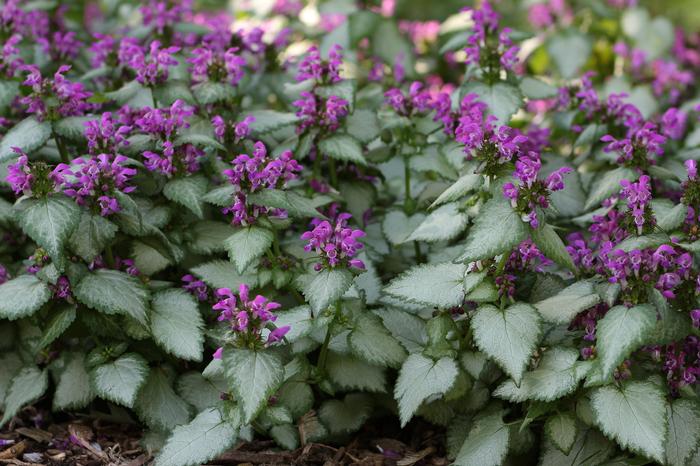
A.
pixel 638 196
pixel 336 245
pixel 314 67
pixel 248 317
pixel 195 287
pixel 151 67
pixel 67 98
pixel 96 180
pixel 250 174
pixel 319 112
pixel 106 136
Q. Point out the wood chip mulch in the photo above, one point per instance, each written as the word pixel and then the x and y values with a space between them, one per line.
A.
pixel 99 439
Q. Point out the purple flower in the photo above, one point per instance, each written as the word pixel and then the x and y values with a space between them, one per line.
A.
pixel 19 174
pixel 61 45
pixel 248 317
pixel 151 68
pixel 531 193
pixel 319 112
pixel 336 245
pixel 96 180
pixel 695 317
pixel 250 174
pixel 638 196
pixel 4 274
pixel 639 146
pixel 216 65
pixel 162 14
pixel 486 42
pixel 673 123
pixel 66 98
pixel 195 287
pixel 102 48
pixel 314 67
pixel 10 60
pixel 106 136
pixel 62 288
pixel 241 130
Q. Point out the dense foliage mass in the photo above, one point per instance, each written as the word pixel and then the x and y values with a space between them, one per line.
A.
pixel 283 221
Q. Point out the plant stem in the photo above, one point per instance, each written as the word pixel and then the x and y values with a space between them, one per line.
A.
pixel 109 256
pixel 61 147
pixel 407 204
pixel 326 341
pixel 334 173
pixel 419 255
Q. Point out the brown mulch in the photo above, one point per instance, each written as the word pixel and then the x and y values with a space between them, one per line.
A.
pixel 100 439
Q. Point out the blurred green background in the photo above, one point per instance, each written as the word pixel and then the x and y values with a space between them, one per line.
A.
pixel 684 13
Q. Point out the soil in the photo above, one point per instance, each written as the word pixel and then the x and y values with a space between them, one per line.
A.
pixel 97 438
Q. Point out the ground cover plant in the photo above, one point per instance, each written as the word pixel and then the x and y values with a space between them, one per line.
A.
pixel 288 220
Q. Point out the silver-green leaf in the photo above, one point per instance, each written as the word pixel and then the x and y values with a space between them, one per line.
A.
pixel 253 376
pixel 634 415
pixel 113 292
pixel 248 244
pixel 120 380
pixel 22 296
pixel 508 336
pixel 440 285
pixel 49 221
pixel 623 330
pixel 177 325
pixel 321 289
pixel 421 378
pixel 205 437
pixel 496 230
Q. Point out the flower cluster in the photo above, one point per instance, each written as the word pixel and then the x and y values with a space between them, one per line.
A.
pixel 638 197
pixel 530 193
pixel 247 318
pixel 161 14
pixel 106 136
pixel 251 174
pixel 10 60
pixel 163 125
pixel 150 67
pixel 681 362
pixel 217 65
pixel 323 113
pixel 490 47
pixel 483 139
pixel 37 179
pixel 94 181
pixel 60 45
pixel 335 245
pixel 639 147
pixel 588 322
pixel 238 131
pixel 195 287
pixel 526 257
pixel 53 98
pixel 313 67
pixel 417 101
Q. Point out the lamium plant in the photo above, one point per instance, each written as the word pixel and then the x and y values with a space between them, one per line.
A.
pixel 289 220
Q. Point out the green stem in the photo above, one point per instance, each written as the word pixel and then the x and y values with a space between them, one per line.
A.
pixel 334 173
pixel 407 202
pixel 317 166
pixel 276 245
pixel 109 256
pixel 323 357
pixel 419 255
pixel 61 147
